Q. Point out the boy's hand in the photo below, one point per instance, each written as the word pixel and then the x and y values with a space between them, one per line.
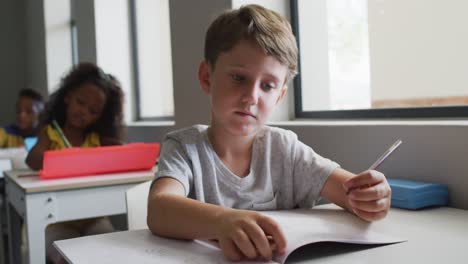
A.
pixel 368 195
pixel 243 234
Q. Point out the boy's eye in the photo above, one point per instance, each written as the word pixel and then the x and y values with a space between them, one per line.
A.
pixel 237 77
pixel 268 86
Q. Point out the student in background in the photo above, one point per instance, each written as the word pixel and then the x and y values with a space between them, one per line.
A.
pixel 28 107
pixel 212 180
pixel 88 110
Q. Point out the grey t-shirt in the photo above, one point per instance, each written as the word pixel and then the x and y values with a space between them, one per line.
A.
pixel 284 172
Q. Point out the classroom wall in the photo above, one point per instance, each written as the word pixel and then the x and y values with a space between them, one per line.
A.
pixel 430 151
pixel 12 56
pixel 83 12
pixel 188 28
pixel 36 70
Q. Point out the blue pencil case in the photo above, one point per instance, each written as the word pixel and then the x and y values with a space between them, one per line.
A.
pixel 416 195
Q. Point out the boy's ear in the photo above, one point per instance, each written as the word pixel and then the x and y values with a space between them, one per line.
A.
pixel 282 93
pixel 204 76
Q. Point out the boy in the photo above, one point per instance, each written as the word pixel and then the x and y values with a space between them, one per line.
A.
pixel 211 180
pixel 28 107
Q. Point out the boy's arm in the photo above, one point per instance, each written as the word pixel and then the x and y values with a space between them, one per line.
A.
pixel 240 233
pixel 36 154
pixel 367 194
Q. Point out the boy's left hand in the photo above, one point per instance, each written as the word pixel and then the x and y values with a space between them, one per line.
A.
pixel 368 195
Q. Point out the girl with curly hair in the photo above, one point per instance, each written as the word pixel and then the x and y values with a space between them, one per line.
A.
pixel 85 111
pixel 87 107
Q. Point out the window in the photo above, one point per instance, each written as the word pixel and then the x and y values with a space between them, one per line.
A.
pixel 113 45
pixel 132 40
pixel 152 59
pixel 380 59
pixel 58 40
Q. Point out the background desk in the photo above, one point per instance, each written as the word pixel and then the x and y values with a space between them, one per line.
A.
pixel 40 203
pixel 10 158
pixel 434 236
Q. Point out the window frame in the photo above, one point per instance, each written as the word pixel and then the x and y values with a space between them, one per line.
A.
pixel 379 113
pixel 73 33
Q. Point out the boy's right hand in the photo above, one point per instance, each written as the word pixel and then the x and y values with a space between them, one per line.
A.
pixel 243 234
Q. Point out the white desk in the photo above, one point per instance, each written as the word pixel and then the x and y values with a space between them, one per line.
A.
pixel 10 158
pixel 434 236
pixel 40 203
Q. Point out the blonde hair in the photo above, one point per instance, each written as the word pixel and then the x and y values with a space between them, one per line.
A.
pixel 266 28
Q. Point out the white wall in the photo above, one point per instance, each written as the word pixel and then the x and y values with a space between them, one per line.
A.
pixel 418 48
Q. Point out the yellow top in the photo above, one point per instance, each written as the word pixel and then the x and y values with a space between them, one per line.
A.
pixel 91 139
pixel 10 140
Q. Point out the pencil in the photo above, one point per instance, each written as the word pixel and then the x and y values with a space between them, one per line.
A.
pixel 379 161
pixel 60 132
pixel 385 155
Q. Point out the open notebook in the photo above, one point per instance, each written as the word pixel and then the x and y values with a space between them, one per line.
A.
pixel 301 227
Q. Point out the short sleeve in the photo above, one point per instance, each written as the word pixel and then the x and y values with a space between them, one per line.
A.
pixel 92 140
pixel 173 162
pixel 3 138
pixel 311 171
pixel 56 141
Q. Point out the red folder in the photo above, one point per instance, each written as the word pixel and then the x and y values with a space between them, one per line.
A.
pixel 74 162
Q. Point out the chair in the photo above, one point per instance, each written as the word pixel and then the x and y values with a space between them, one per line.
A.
pixel 137 205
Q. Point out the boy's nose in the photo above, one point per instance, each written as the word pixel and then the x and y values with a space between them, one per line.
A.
pixel 251 94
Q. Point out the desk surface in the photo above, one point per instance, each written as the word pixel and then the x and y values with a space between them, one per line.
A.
pixel 32 184
pixel 437 235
